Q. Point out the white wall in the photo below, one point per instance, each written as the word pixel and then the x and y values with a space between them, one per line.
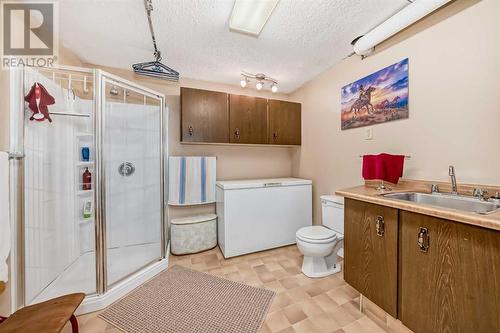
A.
pixel 454 103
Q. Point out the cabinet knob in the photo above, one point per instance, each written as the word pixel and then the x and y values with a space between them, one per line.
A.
pixel 380 226
pixel 190 130
pixel 423 239
pixel 275 136
pixel 237 133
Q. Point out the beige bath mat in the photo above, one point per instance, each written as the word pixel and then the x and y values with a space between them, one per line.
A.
pixel 181 300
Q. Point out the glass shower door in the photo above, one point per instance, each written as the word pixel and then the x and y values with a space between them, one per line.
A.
pixel 133 179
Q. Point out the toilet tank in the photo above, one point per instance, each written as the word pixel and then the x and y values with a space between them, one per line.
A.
pixel 332 209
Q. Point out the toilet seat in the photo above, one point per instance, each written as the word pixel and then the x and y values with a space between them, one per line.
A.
pixel 316 234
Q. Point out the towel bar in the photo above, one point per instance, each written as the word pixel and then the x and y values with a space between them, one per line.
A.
pixel 407 157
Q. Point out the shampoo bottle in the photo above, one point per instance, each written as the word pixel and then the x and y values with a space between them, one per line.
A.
pixel 85 154
pixel 86 180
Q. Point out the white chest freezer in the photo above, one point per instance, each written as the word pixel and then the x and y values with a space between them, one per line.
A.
pixel 261 214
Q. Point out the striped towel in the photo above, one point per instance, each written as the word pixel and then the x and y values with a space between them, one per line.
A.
pixel 191 180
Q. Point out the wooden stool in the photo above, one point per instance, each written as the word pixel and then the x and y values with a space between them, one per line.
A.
pixel 47 317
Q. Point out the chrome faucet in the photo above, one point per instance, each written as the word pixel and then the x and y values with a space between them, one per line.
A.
pixel 451 172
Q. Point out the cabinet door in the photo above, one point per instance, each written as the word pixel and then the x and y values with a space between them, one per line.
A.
pixel 284 123
pixel 370 252
pixel 247 119
pixel 204 116
pixel 455 285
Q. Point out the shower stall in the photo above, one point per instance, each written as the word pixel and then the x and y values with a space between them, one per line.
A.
pixel 91 186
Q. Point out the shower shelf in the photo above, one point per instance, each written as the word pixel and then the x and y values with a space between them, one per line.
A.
pixel 86 220
pixel 85 192
pixel 85 163
pixel 84 134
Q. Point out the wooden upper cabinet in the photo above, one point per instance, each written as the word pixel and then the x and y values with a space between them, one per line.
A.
pixel 217 117
pixel 453 285
pixel 371 252
pixel 284 123
pixel 247 119
pixel 204 116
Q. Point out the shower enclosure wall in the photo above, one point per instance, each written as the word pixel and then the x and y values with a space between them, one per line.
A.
pixel 113 129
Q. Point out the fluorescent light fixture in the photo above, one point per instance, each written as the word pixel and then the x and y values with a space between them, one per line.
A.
pixel 250 16
pixel 399 21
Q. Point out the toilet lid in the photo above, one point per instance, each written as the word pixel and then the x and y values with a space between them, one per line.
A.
pixel 316 232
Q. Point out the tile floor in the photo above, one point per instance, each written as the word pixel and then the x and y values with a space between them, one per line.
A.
pixel 301 305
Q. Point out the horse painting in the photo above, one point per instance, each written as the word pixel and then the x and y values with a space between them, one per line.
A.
pixel 376 98
pixel 364 100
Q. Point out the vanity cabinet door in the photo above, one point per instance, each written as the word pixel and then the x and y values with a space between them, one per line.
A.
pixel 453 285
pixel 370 252
pixel 247 119
pixel 204 116
pixel 284 123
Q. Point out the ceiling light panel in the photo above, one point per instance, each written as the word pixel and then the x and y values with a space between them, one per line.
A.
pixel 250 16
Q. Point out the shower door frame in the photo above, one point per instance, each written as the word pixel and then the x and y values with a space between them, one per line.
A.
pixel 103 77
pixel 104 295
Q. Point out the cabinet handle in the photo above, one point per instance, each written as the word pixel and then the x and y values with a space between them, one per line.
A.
pixel 237 133
pixel 380 226
pixel 423 239
pixel 190 130
pixel 275 136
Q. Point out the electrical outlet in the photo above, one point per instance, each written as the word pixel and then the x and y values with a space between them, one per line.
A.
pixel 369 133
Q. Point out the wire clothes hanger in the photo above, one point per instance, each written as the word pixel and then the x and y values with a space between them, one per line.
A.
pixel 155 68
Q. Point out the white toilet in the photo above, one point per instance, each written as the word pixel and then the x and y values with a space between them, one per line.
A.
pixel 321 244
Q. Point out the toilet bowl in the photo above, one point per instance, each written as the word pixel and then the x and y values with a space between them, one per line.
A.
pixel 321 245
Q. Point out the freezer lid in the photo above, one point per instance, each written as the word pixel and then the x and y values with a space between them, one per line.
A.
pixel 258 183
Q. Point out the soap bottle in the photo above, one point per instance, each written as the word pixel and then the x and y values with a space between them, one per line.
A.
pixel 85 154
pixel 87 209
pixel 86 180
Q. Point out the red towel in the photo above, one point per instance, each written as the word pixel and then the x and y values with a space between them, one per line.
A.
pixel 38 98
pixel 384 167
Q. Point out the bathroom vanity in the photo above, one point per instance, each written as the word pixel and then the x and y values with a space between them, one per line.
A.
pixel 435 269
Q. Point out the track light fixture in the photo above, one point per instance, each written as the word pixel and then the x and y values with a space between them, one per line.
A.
pixel 261 79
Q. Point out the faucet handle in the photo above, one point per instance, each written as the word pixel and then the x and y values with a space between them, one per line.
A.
pixel 434 188
pixel 451 170
pixel 479 193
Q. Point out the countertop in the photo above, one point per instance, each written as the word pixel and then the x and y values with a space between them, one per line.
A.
pixel 369 193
